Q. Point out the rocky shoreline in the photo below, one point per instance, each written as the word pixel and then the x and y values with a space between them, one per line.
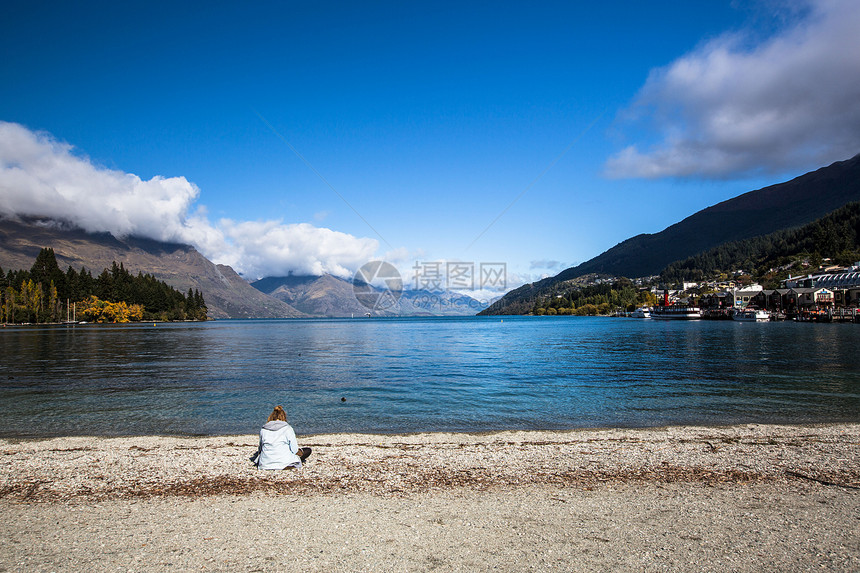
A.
pixel 401 493
pixel 85 468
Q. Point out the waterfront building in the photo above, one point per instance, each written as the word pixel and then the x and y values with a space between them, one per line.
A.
pixel 776 299
pixel 722 299
pixel 805 298
pixel 844 287
pixel 744 295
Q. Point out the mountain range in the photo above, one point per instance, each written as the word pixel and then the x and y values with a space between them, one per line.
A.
pixel 756 213
pixel 226 293
pixel 329 295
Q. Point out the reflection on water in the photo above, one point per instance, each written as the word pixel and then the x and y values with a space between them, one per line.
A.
pixel 404 375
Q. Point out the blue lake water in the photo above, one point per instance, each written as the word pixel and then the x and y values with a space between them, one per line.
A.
pixel 416 374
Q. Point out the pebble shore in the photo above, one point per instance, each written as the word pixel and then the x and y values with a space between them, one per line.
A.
pixel 743 498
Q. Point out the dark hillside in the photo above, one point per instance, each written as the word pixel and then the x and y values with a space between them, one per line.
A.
pixel 761 212
pixel 836 235
pixel 791 204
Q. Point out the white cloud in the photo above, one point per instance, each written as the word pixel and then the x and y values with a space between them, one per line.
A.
pixel 41 177
pixel 270 248
pixel 731 108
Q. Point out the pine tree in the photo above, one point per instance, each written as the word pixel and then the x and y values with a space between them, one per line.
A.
pixel 46 269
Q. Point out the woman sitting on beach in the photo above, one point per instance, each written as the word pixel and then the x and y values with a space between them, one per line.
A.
pixel 278 446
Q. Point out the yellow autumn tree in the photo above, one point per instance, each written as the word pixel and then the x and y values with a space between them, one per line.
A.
pixel 99 310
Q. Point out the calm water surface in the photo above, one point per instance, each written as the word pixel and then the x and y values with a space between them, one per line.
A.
pixel 407 375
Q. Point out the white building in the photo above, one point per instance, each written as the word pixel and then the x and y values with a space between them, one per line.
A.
pixel 745 294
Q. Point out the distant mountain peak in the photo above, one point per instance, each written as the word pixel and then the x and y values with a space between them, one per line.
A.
pixel 332 296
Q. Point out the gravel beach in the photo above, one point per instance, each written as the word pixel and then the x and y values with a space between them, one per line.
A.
pixel 740 498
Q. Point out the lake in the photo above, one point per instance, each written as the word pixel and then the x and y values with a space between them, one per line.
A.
pixel 423 374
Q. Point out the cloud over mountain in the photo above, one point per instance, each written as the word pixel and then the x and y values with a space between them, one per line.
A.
pixel 40 176
pixel 736 106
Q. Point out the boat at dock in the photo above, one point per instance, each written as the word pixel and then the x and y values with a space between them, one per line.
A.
pixel 641 312
pixel 668 311
pixel 675 312
pixel 751 315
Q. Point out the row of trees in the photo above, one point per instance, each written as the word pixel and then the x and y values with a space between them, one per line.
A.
pixel 40 295
pixel 594 299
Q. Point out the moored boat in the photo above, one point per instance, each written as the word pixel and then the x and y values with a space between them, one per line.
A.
pixel 668 311
pixel 641 312
pixel 751 315
pixel 675 312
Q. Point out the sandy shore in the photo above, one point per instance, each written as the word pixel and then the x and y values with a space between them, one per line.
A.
pixel 743 498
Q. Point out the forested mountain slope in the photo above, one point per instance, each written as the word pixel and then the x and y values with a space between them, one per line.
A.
pixel 760 212
pixel 227 294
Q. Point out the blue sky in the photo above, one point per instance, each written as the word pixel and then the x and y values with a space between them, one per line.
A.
pixel 313 136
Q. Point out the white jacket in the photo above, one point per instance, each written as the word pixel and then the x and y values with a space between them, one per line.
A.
pixel 278 447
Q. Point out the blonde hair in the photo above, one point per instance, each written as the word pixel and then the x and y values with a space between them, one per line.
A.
pixel 277 414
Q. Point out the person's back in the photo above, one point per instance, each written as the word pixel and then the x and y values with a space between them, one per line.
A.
pixel 277 442
pixel 279 448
